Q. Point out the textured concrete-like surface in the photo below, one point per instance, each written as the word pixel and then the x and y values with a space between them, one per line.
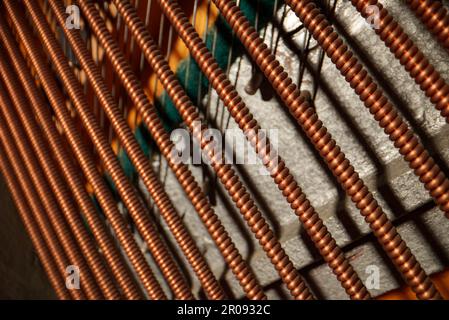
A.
pixel 360 137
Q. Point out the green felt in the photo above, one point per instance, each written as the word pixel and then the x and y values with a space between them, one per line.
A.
pixel 189 74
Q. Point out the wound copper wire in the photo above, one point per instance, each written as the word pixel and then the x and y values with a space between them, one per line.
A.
pixel 142 164
pixel 208 148
pixel 373 97
pixel 58 186
pixel 24 210
pixel 41 175
pixel 84 157
pixel 148 112
pixel 434 16
pixel 70 172
pixel 137 210
pixel 26 171
pixel 225 173
pixel 277 168
pixel 318 134
pixel 369 92
pixel 409 55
